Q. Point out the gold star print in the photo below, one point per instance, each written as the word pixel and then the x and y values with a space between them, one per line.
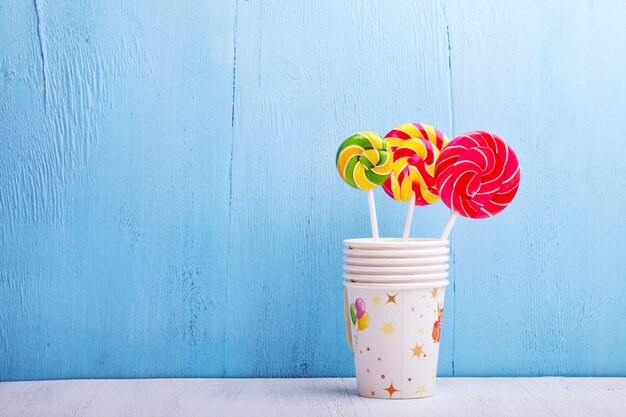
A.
pixel 388 329
pixel 391 389
pixel 420 330
pixel 412 310
pixel 417 350
pixel 376 299
pixel 391 298
pixel 373 393
pixel 421 389
pixel 434 293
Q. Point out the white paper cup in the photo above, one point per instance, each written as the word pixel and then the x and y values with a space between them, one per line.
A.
pixel 395 270
pixel 378 279
pixel 396 253
pixel 395 243
pixel 396 353
pixel 384 262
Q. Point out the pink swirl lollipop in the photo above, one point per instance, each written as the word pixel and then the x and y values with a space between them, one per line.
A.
pixel 477 176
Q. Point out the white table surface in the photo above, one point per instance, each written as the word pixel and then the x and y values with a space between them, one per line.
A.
pixel 482 397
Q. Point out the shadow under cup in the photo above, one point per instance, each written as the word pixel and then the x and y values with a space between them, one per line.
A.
pixel 393 299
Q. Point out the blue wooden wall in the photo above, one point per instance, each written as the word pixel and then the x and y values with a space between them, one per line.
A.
pixel 169 204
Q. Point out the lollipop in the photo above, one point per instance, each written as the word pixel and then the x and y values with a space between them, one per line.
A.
pixel 364 162
pixel 477 176
pixel 415 149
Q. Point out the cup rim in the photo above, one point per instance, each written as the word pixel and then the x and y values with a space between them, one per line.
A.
pixel 434 276
pixel 394 254
pixel 397 285
pixel 384 262
pixel 395 242
pixel 400 270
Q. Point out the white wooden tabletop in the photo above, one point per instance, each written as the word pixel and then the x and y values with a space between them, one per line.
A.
pixel 311 397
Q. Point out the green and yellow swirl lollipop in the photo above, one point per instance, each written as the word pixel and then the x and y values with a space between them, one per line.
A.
pixel 365 162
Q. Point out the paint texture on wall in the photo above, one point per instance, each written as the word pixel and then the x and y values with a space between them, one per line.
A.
pixel 169 204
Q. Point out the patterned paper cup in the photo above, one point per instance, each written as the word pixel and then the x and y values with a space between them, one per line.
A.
pixel 394 332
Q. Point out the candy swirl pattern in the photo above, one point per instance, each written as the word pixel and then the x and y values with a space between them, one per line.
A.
pixel 415 148
pixel 477 174
pixel 364 160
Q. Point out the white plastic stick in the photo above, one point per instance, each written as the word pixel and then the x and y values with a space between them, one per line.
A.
pixel 372 206
pixel 409 219
pixel 448 229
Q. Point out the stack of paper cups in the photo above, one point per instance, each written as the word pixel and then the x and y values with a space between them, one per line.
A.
pixel 394 305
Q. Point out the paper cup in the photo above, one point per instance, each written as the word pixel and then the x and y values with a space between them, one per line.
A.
pixel 396 253
pixel 377 279
pixel 395 243
pixel 394 336
pixel 359 261
pixel 395 270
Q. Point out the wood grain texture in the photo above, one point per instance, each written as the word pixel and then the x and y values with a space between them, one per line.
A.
pixel 536 288
pixel 483 397
pixel 169 204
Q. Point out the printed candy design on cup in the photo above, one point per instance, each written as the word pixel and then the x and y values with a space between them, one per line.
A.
pixel 437 326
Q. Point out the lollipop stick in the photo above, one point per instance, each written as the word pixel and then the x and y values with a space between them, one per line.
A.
pixel 372 206
pixel 409 219
pixel 448 229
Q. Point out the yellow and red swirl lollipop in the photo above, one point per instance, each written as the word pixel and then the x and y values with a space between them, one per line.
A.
pixel 364 162
pixel 415 148
pixel 477 174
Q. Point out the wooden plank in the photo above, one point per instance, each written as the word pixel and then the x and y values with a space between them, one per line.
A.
pixel 533 283
pixel 301 88
pixel 579 396
pixel 169 204
pixel 480 397
pixel 167 174
pixel 115 120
